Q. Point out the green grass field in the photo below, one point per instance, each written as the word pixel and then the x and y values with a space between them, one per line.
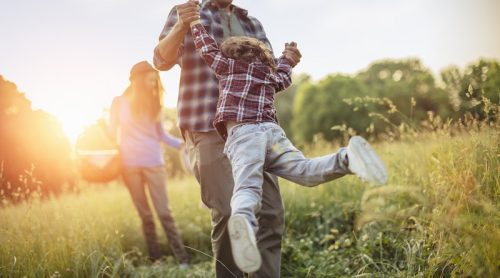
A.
pixel 438 217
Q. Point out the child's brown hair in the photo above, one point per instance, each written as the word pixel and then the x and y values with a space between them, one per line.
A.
pixel 247 49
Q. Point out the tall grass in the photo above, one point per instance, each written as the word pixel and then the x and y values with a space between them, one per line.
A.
pixel 438 217
pixel 93 233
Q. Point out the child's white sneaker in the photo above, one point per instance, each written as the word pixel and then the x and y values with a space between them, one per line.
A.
pixel 364 162
pixel 243 244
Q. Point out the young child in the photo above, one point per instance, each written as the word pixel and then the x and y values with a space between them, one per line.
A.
pixel 246 118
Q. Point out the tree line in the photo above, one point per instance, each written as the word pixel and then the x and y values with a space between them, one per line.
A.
pixel 388 95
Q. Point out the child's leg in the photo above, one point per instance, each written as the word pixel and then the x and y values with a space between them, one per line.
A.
pixel 246 149
pixel 286 161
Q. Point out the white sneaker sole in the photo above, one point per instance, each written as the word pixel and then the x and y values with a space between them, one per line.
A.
pixel 245 252
pixel 366 163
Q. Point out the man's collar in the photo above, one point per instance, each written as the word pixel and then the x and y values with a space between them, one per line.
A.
pixel 237 10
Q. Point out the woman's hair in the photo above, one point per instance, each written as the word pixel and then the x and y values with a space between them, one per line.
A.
pixel 145 102
pixel 247 49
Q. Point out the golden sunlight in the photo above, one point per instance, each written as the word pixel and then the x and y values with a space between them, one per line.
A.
pixel 74 120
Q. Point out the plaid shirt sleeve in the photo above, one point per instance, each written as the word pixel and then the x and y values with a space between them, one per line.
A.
pixel 283 74
pixel 158 61
pixel 209 51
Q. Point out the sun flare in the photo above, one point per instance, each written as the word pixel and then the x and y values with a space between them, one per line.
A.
pixel 74 121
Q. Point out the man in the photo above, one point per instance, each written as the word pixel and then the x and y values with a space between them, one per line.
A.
pixel 198 94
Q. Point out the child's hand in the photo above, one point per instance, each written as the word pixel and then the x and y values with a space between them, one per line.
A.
pixel 292 53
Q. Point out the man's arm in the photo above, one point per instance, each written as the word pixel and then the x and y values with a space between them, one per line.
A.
pixel 167 50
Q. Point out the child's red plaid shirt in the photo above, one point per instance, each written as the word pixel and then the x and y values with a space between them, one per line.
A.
pixel 246 89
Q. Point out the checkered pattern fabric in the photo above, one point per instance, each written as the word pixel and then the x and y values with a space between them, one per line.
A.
pixel 246 89
pixel 199 87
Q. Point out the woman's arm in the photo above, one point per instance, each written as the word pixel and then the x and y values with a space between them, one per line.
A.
pixel 208 49
pixel 167 138
pixel 112 129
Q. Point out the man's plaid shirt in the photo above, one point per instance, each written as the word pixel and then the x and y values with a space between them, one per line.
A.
pixel 247 89
pixel 199 87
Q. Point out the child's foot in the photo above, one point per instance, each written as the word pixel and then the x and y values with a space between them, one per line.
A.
pixel 243 244
pixel 364 162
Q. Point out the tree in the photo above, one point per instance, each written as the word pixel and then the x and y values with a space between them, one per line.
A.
pixel 474 88
pixel 409 86
pixel 319 107
pixel 34 153
pixel 284 103
pixel 385 95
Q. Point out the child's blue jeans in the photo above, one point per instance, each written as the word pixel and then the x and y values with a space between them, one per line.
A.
pixel 254 148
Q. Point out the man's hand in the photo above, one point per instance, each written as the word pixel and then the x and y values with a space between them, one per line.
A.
pixel 292 53
pixel 187 13
pixel 168 47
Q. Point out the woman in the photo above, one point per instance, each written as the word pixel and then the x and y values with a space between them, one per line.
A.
pixel 136 124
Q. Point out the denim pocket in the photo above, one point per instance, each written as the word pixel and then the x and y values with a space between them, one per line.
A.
pixel 246 147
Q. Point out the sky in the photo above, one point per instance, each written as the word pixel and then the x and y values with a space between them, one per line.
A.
pixel 71 57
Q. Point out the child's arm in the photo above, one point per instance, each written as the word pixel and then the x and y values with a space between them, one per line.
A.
pixel 208 49
pixel 283 74
pixel 284 66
